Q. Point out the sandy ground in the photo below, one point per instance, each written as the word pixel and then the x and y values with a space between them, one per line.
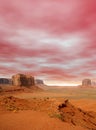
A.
pixel 39 119
pixel 31 120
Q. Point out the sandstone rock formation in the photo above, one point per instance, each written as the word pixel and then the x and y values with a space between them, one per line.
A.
pixel 40 82
pixel 23 80
pixel 93 84
pixel 0 89
pixel 77 116
pixel 5 81
pixel 86 83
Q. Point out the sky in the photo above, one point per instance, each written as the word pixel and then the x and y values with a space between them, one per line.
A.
pixel 53 40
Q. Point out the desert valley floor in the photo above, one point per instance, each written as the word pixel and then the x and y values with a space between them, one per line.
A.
pixel 39 110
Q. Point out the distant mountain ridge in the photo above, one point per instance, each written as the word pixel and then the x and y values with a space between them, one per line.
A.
pixel 5 81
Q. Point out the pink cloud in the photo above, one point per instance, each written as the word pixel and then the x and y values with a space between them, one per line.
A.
pixel 53 39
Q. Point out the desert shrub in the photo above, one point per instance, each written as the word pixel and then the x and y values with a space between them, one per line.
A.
pixel 47 97
pixel 34 98
pixel 56 115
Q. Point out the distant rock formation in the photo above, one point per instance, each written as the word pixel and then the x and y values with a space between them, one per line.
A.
pixel 23 80
pixel 40 82
pixel 93 84
pixel 86 83
pixel 5 81
pixel 0 89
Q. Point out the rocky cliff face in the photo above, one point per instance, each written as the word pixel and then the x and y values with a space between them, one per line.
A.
pixel 5 81
pixel 23 80
pixel 86 83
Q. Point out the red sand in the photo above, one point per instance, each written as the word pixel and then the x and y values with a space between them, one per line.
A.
pixel 40 119
pixel 31 120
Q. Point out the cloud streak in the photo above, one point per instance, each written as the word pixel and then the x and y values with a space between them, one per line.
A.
pixel 53 40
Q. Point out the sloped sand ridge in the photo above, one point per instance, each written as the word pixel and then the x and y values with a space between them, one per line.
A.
pixel 77 116
pixel 74 117
pixel 11 103
pixel 19 114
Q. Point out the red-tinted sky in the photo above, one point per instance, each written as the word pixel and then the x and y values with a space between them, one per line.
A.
pixel 54 40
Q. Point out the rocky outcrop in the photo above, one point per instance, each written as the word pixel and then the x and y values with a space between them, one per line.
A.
pixel 40 82
pixel 93 84
pixel 86 83
pixel 5 81
pixel 77 116
pixel 0 89
pixel 23 80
